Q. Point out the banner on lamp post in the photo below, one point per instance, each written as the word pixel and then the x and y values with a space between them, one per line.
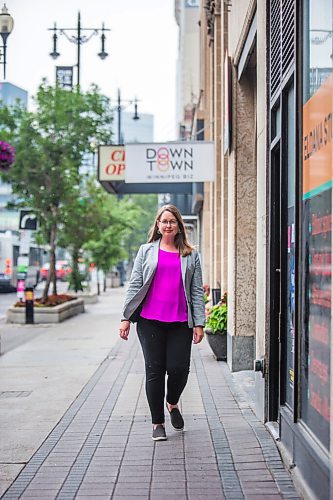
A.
pixel 171 162
pixel 64 77
pixel 111 163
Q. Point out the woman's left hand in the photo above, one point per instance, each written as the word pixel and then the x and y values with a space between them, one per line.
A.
pixel 198 334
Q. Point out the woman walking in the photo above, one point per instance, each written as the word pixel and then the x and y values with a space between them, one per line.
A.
pixel 165 298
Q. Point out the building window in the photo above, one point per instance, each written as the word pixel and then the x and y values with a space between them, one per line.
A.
pixel 317 217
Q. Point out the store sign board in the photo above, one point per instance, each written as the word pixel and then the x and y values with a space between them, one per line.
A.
pixel 170 162
pixel 318 140
pixel 111 163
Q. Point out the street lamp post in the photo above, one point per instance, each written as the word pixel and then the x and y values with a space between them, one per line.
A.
pixel 119 108
pixel 78 39
pixel 6 27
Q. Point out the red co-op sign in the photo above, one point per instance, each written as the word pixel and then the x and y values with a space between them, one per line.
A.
pixel 111 163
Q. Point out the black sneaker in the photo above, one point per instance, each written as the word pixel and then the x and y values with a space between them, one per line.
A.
pixel 159 433
pixel 176 418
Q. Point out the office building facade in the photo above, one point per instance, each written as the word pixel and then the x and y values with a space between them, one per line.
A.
pixel 267 101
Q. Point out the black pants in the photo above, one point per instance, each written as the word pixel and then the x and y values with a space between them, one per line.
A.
pixel 166 349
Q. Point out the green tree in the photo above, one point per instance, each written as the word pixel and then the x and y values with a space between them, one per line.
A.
pixel 147 207
pixel 116 222
pixel 81 223
pixel 50 143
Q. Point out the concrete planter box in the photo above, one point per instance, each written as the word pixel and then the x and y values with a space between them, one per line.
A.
pixel 112 280
pixel 88 297
pixel 217 343
pixel 54 314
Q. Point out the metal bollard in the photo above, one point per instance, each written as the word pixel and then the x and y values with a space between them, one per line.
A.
pixel 29 306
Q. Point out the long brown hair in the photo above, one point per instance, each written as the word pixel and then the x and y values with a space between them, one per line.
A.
pixel 181 241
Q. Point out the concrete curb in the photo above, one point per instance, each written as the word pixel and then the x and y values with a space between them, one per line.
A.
pixel 89 298
pixel 54 314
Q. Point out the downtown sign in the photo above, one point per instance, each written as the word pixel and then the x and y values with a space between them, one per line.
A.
pixel 171 162
pixel 156 167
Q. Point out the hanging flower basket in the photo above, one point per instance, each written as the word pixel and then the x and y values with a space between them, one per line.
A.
pixel 7 156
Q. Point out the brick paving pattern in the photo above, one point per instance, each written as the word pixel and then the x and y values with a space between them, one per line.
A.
pixel 102 446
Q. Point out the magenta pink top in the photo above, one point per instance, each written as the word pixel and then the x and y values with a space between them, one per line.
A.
pixel 165 300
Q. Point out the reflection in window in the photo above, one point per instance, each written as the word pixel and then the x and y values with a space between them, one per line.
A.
pixel 318 43
pixel 317 218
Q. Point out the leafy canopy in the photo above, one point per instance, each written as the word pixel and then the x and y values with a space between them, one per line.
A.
pixel 50 143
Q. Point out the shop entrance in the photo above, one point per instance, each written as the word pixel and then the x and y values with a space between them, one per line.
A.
pixel 282 256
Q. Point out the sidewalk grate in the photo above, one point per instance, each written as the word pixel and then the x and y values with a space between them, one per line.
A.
pixel 76 338
pixel 14 394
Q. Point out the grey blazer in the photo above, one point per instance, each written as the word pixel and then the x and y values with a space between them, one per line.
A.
pixel 144 268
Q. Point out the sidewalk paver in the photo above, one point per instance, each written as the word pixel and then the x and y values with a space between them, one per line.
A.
pixel 102 447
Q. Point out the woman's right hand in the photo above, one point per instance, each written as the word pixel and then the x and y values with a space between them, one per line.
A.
pixel 124 329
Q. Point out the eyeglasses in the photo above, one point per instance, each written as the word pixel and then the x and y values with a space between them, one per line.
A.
pixel 172 222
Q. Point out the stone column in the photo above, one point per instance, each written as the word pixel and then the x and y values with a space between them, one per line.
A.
pixel 216 282
pixel 242 224
pixel 224 159
pixel 207 213
pixel 262 205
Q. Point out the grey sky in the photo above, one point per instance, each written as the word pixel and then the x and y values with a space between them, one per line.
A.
pixel 142 47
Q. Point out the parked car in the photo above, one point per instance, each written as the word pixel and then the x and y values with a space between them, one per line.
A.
pixel 63 269
pixel 44 271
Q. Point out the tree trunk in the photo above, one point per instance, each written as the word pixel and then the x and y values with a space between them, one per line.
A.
pixel 52 274
pixel 76 276
pixel 98 284
pixel 55 291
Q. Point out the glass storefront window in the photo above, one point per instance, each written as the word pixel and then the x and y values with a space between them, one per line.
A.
pixel 317 167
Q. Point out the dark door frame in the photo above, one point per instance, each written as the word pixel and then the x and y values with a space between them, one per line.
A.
pixel 274 345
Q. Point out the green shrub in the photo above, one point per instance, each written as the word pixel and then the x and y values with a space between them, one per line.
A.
pixel 217 318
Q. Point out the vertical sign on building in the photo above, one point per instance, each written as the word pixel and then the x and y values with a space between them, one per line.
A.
pixel 227 104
